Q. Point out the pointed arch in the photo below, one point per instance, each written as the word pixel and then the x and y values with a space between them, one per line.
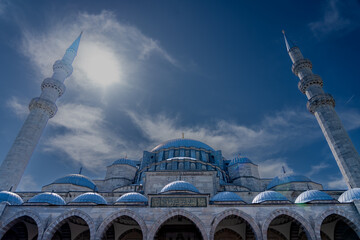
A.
pixel 303 222
pixel 222 215
pixel 178 212
pixel 124 212
pixel 348 219
pixel 8 223
pixel 53 227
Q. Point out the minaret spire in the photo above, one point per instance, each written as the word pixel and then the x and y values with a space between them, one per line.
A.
pixel 322 105
pixel 41 109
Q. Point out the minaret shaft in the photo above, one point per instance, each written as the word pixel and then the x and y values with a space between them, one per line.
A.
pixel 41 109
pixel 322 106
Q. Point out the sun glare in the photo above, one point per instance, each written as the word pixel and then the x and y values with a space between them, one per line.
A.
pixel 99 64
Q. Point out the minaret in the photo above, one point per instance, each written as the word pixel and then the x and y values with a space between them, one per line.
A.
pixel 41 109
pixel 322 105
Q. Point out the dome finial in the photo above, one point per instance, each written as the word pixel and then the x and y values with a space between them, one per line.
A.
pixel 80 170
pixel 283 169
pixel 183 135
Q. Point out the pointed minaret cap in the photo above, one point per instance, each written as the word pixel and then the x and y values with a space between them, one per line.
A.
pixel 289 44
pixel 75 45
pixel 71 52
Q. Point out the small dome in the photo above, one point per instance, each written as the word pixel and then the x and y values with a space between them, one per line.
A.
pixel 90 198
pixel 125 161
pixel 182 142
pixel 179 186
pixel 132 197
pixel 47 197
pixel 11 198
pixel 287 178
pixel 239 160
pixel 350 195
pixel 77 179
pixel 226 197
pixel 269 196
pixel 313 195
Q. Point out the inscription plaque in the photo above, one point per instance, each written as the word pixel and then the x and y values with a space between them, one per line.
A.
pixel 178 202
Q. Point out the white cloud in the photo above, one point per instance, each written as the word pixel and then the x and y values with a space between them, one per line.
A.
pixel 337 183
pixel 335 18
pixel 18 107
pixel 27 184
pixel 317 168
pixel 109 49
pixel 273 167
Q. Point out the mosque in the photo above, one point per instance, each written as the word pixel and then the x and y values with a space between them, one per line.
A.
pixel 182 189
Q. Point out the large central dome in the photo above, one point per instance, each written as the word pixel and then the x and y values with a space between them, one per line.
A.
pixel 182 142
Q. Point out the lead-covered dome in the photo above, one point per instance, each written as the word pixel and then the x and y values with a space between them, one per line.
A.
pixel 182 142
pixel 124 161
pixel 11 198
pixel 270 197
pixel 178 187
pixel 47 197
pixel 287 178
pixel 313 196
pixel 350 195
pixel 239 159
pixel 77 179
pixel 90 198
pixel 132 197
pixel 226 197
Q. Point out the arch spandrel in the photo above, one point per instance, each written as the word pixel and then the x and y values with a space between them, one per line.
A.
pixel 351 221
pixel 222 215
pixel 53 227
pixel 178 212
pixel 8 223
pixel 104 226
pixel 303 222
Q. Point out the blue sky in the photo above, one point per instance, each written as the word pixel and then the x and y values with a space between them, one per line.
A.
pixel 147 71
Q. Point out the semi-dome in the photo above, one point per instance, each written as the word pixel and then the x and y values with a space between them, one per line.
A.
pixel 47 197
pixel 226 197
pixel 77 179
pixel 239 159
pixel 11 198
pixel 313 195
pixel 350 195
pixel 124 161
pixel 132 197
pixel 182 142
pixel 287 178
pixel 179 186
pixel 269 196
pixel 90 198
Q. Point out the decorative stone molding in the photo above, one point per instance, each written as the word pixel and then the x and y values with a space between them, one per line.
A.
pixel 301 64
pixel 55 84
pixel 124 212
pixel 221 216
pixel 319 100
pixel 52 228
pixel 304 224
pixel 178 212
pixel 39 103
pixel 347 218
pixel 309 80
pixel 7 224
pixel 60 65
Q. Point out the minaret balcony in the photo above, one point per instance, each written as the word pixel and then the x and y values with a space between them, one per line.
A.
pixel 301 64
pixel 320 100
pixel 309 80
